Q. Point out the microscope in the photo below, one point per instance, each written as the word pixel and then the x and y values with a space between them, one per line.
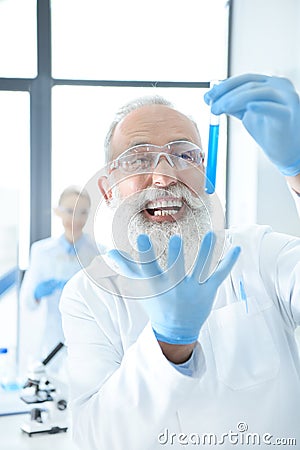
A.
pixel 48 398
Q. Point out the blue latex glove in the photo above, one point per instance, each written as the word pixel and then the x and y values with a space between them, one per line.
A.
pixel 61 284
pixel 46 288
pixel 269 108
pixel 180 304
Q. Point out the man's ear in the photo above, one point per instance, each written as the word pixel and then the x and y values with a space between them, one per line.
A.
pixel 105 189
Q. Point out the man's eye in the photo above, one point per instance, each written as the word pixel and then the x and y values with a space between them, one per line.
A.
pixel 125 165
pixel 133 162
pixel 188 156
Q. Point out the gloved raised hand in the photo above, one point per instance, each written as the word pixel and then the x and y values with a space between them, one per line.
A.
pixel 269 108
pixel 179 304
pixel 46 288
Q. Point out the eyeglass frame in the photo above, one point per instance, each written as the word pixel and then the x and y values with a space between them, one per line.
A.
pixel 115 163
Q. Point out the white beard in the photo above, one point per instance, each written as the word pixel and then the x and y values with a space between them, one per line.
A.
pixel 129 222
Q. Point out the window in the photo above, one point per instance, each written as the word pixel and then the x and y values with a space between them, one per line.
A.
pixel 14 202
pixel 18 38
pixel 117 40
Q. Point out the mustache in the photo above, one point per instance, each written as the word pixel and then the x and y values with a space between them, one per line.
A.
pixel 140 199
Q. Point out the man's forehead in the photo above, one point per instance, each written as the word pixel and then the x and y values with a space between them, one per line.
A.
pixel 153 114
pixel 157 124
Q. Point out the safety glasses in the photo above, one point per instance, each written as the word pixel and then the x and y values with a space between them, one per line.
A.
pixel 145 157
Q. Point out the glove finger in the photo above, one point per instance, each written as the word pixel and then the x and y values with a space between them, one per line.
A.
pixel 239 100
pixel 204 255
pixel 149 265
pixel 176 267
pixel 233 83
pixel 225 266
pixel 270 109
pixel 127 266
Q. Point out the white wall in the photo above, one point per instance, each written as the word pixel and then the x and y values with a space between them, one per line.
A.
pixel 265 39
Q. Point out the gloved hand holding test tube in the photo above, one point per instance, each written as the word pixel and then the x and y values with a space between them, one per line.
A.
pixel 212 156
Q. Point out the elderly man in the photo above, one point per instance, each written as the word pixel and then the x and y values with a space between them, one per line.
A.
pixel 169 344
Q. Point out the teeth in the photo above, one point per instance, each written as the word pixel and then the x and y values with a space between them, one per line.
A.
pixel 165 203
pixel 165 212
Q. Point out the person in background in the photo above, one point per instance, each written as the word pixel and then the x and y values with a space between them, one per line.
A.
pixel 53 261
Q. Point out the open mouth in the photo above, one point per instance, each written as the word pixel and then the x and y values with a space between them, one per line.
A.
pixel 165 208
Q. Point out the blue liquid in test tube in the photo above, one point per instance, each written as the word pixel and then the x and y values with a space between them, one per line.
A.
pixel 212 156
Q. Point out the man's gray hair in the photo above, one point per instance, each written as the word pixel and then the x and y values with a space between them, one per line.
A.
pixel 126 109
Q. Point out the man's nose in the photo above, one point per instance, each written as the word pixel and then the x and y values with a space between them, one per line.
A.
pixel 164 174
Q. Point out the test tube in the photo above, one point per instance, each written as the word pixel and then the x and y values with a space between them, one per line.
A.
pixel 212 154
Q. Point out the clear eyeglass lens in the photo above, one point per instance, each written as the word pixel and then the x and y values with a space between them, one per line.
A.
pixel 144 157
pixel 136 162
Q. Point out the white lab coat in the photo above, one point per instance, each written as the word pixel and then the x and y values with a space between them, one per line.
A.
pixel 245 368
pixel 53 258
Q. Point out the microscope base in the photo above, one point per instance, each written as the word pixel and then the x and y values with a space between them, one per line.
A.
pixel 45 421
pixel 31 429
